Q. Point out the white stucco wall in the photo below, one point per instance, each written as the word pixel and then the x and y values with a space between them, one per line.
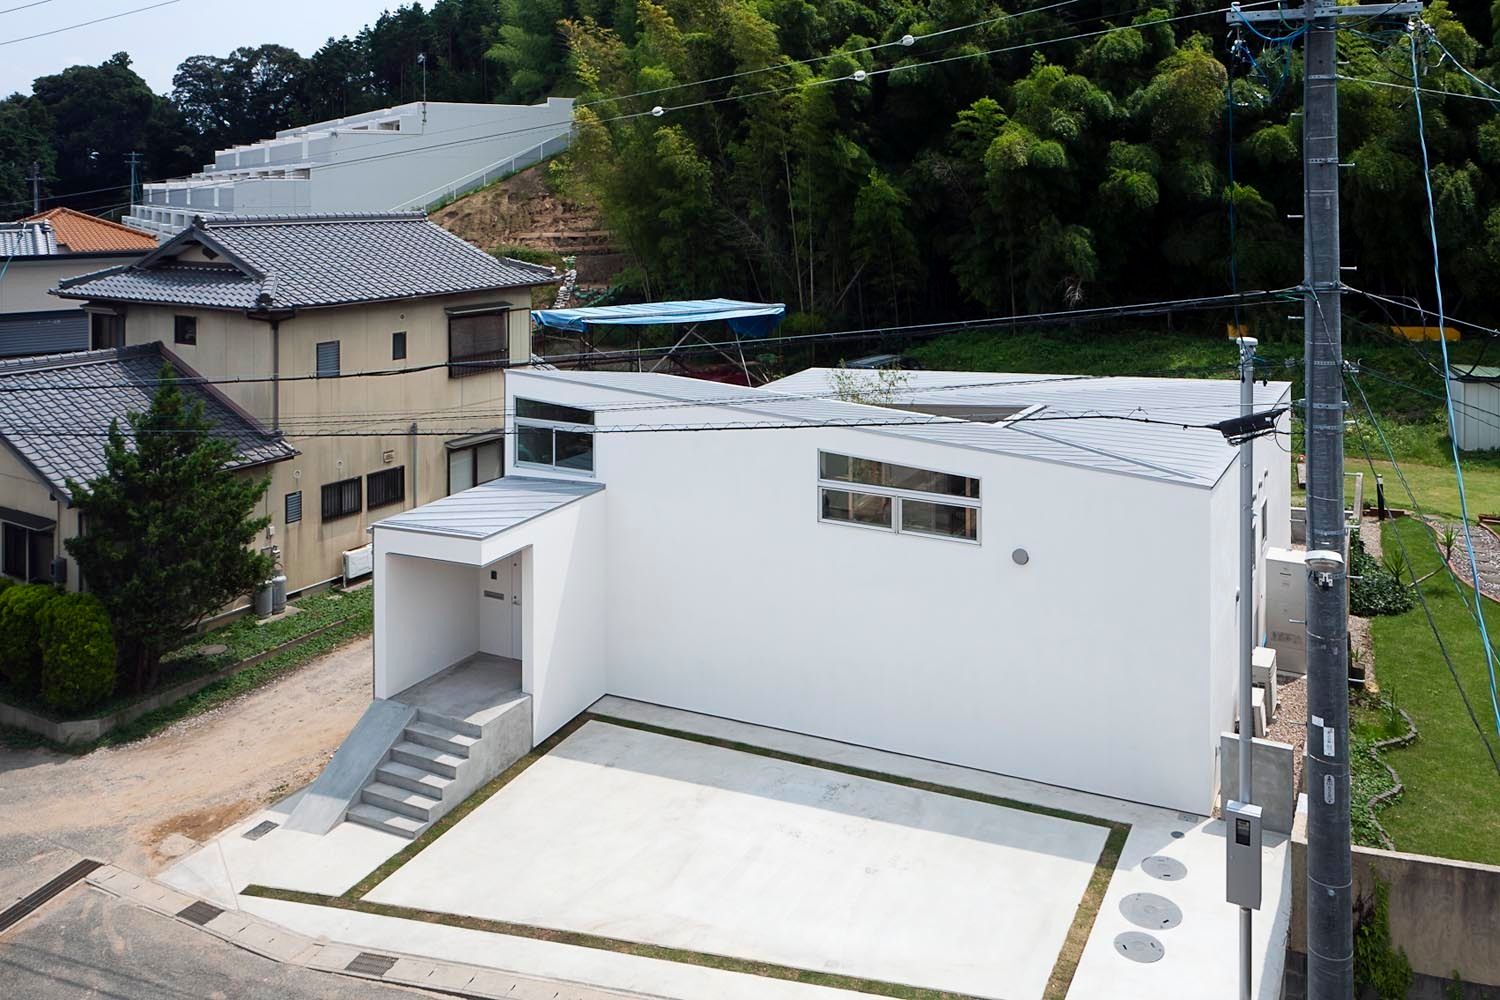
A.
pixel 428 616
pixel 1089 667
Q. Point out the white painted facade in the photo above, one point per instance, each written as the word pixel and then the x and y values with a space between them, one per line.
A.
pixel 702 577
pixel 406 157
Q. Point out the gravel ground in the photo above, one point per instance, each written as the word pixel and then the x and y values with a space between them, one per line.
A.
pixel 1290 725
pixel 1486 554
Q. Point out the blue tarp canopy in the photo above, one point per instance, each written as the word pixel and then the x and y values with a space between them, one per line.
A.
pixel 746 319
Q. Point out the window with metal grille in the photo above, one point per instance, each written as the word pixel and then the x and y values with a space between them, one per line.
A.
pixel 294 507
pixel 386 487
pixel 398 345
pixel 478 342
pixel 328 359
pixel 184 329
pixel 342 498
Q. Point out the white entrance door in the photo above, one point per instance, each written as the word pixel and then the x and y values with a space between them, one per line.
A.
pixel 501 605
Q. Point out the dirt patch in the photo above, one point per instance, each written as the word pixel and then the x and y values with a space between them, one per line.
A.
pixel 131 804
pixel 524 211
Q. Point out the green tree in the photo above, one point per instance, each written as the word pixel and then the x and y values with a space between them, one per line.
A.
pixel 169 529
pixel 25 138
pixel 98 114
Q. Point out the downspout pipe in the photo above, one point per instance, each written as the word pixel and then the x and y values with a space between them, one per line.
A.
pixel 264 313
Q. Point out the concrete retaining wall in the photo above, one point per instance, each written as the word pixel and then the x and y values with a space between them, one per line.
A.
pixel 1445 914
pixel 1270 779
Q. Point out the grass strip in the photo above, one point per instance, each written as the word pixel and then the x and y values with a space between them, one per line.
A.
pixel 619 946
pixel 367 884
pixel 1057 985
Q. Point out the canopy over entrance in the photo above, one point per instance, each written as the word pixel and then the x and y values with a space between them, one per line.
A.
pixel 749 320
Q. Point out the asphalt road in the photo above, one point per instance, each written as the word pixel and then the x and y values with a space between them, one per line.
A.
pixel 85 944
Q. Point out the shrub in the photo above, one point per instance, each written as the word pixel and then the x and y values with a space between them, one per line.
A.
pixel 1377 591
pixel 78 653
pixel 20 638
pixel 1379 967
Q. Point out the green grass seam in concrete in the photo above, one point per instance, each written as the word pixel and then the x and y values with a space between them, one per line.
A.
pixel 1057 985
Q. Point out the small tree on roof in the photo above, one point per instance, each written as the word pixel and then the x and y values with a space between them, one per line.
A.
pixel 167 529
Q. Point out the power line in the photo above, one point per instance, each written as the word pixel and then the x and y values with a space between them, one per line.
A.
pixel 913 330
pixel 1477 608
pixel 1458 470
pixel 85 24
pixel 34 3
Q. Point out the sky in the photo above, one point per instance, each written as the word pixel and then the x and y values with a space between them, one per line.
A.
pixel 158 40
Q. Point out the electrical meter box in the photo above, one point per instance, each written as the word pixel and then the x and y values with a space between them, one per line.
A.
pixel 1242 865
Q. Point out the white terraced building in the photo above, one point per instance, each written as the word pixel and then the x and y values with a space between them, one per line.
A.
pixel 411 156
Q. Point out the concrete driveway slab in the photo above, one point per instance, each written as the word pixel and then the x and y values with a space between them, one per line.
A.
pixel 655 839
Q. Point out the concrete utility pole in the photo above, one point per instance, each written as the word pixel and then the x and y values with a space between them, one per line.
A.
pixel 134 159
pixel 36 187
pixel 1330 904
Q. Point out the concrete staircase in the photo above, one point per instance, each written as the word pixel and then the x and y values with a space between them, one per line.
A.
pixel 423 776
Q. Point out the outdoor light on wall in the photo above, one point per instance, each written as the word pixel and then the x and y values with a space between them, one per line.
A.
pixel 1322 564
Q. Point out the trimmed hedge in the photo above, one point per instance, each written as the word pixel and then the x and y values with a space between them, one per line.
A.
pixel 78 653
pixel 20 634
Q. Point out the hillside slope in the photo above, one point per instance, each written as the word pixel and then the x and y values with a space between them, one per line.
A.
pixel 524 211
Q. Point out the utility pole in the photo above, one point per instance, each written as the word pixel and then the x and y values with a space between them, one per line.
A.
pixel 422 62
pixel 36 187
pixel 134 159
pixel 1247 627
pixel 1330 903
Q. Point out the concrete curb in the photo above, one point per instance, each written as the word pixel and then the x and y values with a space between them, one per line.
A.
pixel 278 944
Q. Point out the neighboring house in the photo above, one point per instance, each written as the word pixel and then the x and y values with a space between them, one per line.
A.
pixel 284 311
pixel 39 252
pixel 409 156
pixel 964 573
pixel 54 414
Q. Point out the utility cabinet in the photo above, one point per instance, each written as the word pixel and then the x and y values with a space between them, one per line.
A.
pixel 1286 609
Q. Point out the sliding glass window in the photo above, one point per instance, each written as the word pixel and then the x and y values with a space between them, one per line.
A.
pixel 897 498
pixel 554 436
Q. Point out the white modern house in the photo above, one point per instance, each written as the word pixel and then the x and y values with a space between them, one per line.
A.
pixel 1007 572
pixel 406 157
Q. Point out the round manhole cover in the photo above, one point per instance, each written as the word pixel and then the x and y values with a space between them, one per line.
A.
pixel 1139 947
pixel 1147 909
pixel 1166 869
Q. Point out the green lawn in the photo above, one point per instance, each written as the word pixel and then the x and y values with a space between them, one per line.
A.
pixel 1451 806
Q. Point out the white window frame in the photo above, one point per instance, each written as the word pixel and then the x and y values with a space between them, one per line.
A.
pixel 555 426
pixel 897 496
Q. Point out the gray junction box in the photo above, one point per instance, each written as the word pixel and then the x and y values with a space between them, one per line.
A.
pixel 1242 835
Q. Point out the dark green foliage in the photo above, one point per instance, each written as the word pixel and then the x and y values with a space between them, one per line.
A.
pixel 1376 588
pixel 78 653
pixel 1379 966
pixel 169 530
pixel 20 634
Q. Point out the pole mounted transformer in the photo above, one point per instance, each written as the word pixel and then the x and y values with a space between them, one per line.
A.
pixel 1330 903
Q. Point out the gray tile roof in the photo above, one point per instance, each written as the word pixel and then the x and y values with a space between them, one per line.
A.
pixel 27 239
pixel 55 410
pixel 492 507
pixel 1167 452
pixel 306 261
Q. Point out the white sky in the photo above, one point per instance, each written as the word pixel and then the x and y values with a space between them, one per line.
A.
pixel 158 40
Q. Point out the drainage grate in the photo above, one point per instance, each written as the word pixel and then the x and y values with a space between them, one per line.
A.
pixel 259 830
pixel 199 913
pixel 370 964
pixel 1147 909
pixel 33 902
pixel 1139 947
pixel 1164 868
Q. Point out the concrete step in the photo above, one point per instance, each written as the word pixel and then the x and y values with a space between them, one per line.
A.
pixel 439 738
pixel 447 722
pixel 415 779
pixel 383 819
pixel 427 758
pixel 401 800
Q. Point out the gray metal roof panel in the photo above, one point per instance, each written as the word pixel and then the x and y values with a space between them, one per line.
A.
pixel 55 411
pixel 490 508
pixel 1085 436
pixel 310 261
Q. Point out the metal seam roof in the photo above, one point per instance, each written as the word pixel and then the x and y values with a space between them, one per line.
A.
pixel 485 510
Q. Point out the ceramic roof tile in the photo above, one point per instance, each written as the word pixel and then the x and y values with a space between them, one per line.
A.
pixel 293 262
pixel 55 410
pixel 78 232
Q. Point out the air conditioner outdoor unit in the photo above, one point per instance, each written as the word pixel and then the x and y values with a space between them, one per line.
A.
pixel 359 562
